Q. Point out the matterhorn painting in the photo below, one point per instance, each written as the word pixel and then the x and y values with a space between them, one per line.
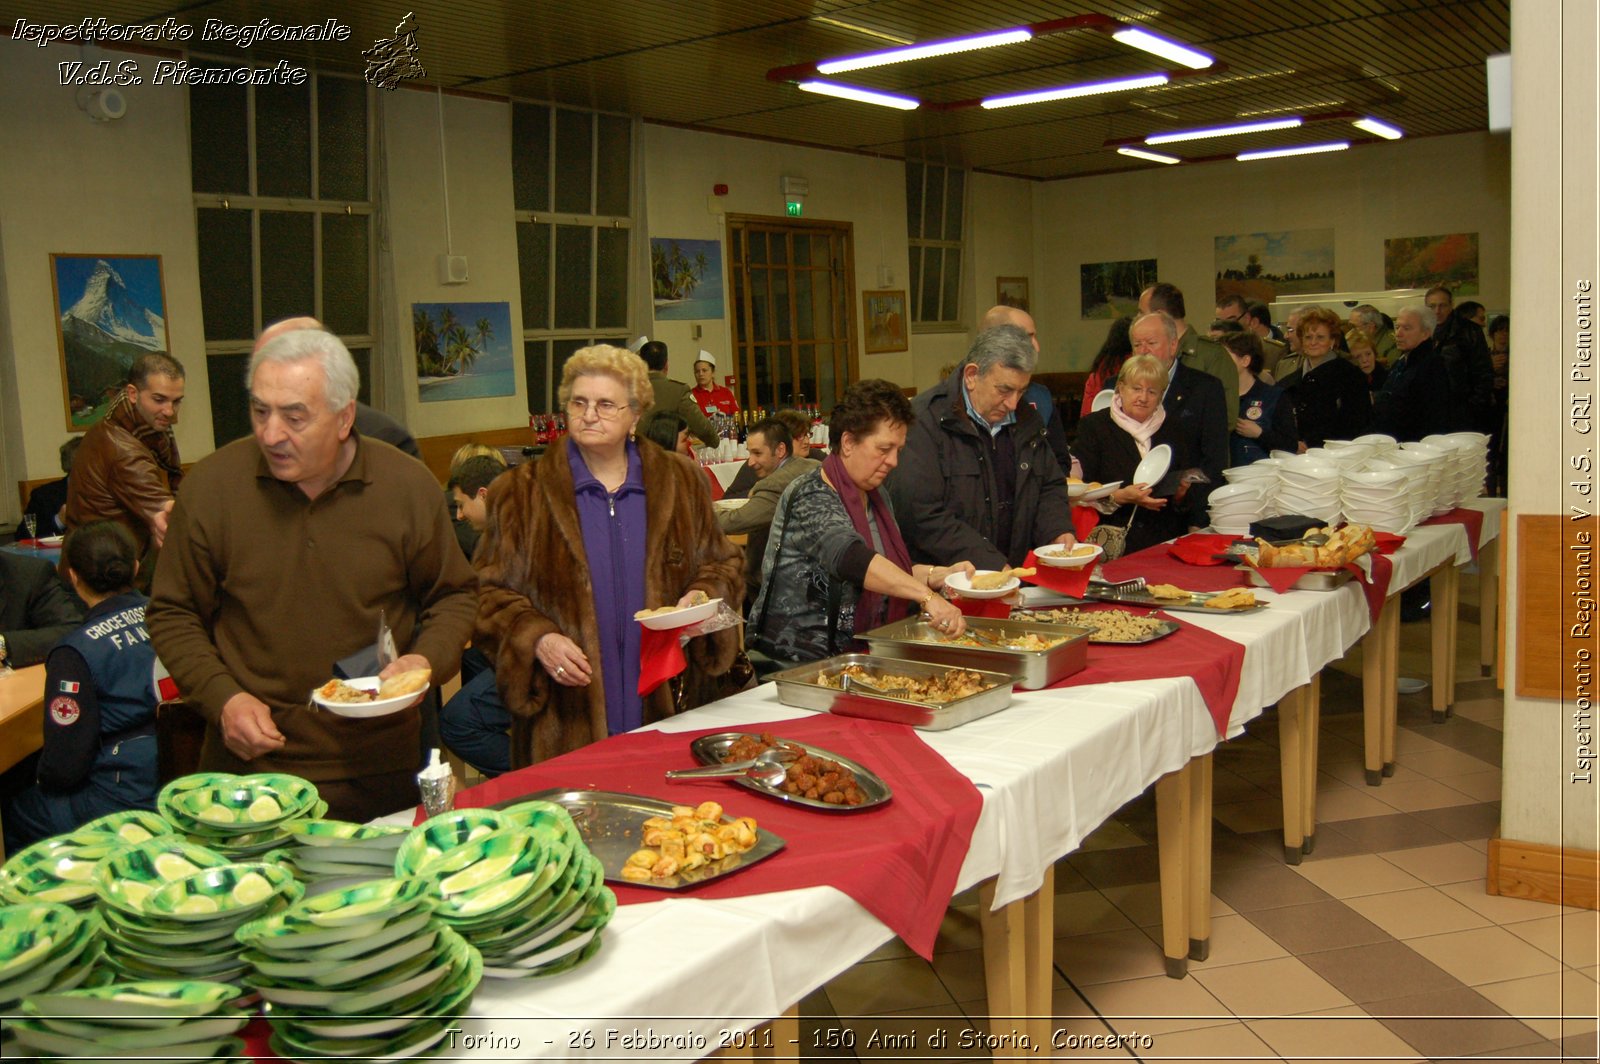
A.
pixel 109 311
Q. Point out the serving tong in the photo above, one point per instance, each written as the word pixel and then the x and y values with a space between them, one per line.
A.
pixel 1118 587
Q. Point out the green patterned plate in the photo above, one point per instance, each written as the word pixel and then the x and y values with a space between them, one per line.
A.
pixel 390 992
pixel 35 1035
pixel 342 973
pixel 124 1037
pixel 284 943
pixel 385 898
pixel 546 819
pixel 226 889
pixel 30 933
pixel 246 805
pixel 137 1004
pixel 132 825
pixel 132 874
pixel 449 998
pixel 58 869
pixel 435 837
pixel 344 833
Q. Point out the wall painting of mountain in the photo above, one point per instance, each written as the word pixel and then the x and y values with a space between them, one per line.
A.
pixel 110 309
pixel 463 350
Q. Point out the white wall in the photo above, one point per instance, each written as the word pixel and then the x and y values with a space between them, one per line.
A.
pixel 1172 214
pixel 1553 211
pixel 478 160
pixel 73 185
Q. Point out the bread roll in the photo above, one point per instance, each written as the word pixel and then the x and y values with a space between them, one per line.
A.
pixel 404 683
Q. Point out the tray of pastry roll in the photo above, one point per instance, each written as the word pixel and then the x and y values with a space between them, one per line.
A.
pixel 1170 597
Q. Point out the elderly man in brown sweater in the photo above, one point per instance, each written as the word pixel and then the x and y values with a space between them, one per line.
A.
pixel 281 554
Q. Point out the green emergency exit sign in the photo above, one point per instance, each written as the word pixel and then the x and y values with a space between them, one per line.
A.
pixel 794 208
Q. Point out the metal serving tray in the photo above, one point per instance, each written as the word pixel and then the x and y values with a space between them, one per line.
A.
pixel 1195 603
pixel 610 824
pixel 800 687
pixel 1323 580
pixel 1165 629
pixel 917 640
pixel 712 750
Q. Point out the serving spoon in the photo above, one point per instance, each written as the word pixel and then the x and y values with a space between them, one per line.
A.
pixel 769 768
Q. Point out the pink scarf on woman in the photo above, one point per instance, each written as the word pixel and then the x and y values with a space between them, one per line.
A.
pixel 894 547
pixel 1141 431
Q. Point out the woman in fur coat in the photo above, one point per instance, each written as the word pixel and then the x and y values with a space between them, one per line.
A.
pixel 580 540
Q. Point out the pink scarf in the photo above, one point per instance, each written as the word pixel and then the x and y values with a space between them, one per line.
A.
pixel 894 547
pixel 1141 431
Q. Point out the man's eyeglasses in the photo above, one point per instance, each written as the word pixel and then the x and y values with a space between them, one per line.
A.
pixel 604 409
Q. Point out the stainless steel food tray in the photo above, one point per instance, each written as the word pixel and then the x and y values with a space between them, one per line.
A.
pixel 917 640
pixel 799 687
pixel 1165 629
pixel 1195 603
pixel 1323 580
pixel 610 825
pixel 712 750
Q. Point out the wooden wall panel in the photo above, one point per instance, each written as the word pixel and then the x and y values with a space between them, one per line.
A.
pixel 1555 596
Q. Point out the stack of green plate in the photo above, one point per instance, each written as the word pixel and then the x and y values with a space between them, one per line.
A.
pixel 364 972
pixel 58 869
pixel 520 884
pixel 171 909
pixel 176 1021
pixel 239 816
pixel 43 946
pixel 326 849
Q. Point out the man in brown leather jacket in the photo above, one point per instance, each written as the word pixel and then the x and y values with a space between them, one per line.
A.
pixel 127 469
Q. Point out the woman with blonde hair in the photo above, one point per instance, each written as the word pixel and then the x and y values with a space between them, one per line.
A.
pixel 1364 353
pixel 597 529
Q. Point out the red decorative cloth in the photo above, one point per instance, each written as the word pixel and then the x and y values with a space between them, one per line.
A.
pixel 1471 520
pixel 899 860
pixel 971 607
pixel 1072 582
pixel 1376 587
pixel 1200 548
pixel 1210 660
pixel 1085 519
pixel 716 485
pixel 660 657
pixel 1157 565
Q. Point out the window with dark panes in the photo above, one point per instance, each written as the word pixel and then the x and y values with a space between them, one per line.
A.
pixel 935 209
pixel 572 178
pixel 283 220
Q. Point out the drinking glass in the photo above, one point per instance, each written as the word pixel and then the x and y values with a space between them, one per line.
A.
pixel 31 523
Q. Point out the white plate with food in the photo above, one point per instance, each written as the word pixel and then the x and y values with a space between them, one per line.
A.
pixel 663 618
pixel 368 696
pixel 1095 490
pixel 1154 466
pixel 728 504
pixel 1060 556
pixel 983 584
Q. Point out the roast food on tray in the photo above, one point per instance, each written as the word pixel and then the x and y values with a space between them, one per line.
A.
pixel 1030 641
pixel 692 838
pixel 1167 592
pixel 807 776
pixel 1341 547
pixel 996 580
pixel 696 598
pixel 1109 626
pixel 948 686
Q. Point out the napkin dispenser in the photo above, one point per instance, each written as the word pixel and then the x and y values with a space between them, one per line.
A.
pixel 1284 527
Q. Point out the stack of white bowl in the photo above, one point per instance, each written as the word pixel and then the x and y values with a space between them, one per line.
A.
pixel 1310 485
pixel 1379 498
pixel 1261 475
pixel 1235 506
pixel 1440 466
pixel 1471 453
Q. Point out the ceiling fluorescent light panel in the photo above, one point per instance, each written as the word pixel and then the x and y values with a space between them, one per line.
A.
pixel 1164 47
pixel 1222 131
pixel 1378 128
pixel 1070 92
pixel 1284 153
pixel 923 51
pixel 1151 156
pixel 851 92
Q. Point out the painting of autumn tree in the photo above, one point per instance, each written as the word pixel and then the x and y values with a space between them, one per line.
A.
pixel 1424 261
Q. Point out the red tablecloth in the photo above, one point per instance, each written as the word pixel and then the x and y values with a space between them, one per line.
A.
pixel 1210 660
pixel 1471 520
pixel 899 860
pixel 660 657
pixel 1084 520
pixel 1376 588
pixel 971 607
pixel 716 485
pixel 1157 565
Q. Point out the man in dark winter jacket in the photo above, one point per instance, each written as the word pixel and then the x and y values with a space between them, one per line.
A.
pixel 977 480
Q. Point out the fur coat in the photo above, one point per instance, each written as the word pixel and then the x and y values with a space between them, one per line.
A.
pixel 534 580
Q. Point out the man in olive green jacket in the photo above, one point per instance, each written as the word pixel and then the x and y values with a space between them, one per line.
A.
pixel 675 395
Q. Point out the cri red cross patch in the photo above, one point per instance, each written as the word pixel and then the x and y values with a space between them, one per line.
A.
pixel 64 710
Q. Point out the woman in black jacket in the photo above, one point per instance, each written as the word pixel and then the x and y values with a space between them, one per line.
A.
pixel 1266 416
pixel 1331 397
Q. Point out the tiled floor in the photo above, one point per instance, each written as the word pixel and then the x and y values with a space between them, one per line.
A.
pixel 1382 944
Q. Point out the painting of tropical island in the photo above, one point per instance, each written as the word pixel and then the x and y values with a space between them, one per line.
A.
pixel 463 350
pixel 686 278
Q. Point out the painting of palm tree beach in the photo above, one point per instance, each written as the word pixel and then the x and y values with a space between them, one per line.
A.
pixel 463 350
pixel 686 278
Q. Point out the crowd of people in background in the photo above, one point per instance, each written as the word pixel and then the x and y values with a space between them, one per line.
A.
pixel 270 561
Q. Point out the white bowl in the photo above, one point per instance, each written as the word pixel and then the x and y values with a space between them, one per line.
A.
pixel 959 583
pixel 1255 471
pixel 380 708
pixel 1230 491
pixel 1056 557
pixel 681 618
